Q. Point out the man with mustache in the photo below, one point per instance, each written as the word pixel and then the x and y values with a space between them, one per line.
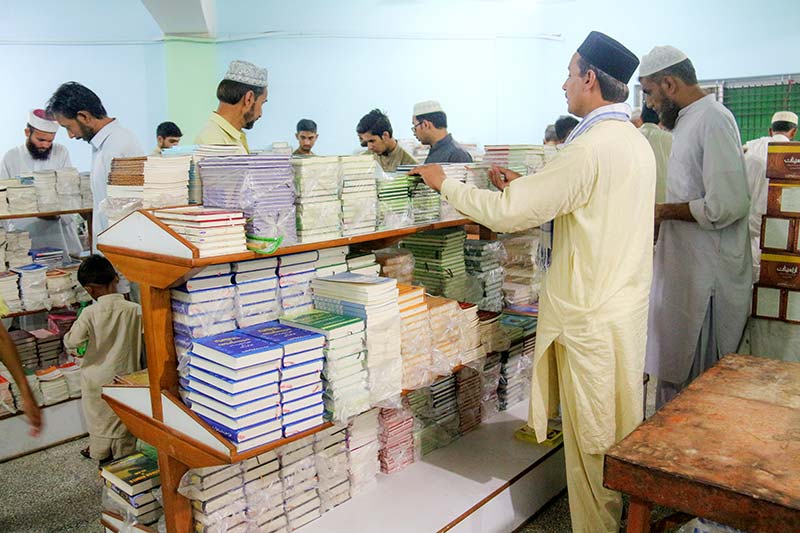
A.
pixel 700 297
pixel 39 151
pixel 241 94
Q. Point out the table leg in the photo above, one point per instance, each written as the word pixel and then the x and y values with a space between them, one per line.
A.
pixel 638 516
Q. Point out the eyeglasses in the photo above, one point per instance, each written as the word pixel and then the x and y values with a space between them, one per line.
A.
pixel 415 126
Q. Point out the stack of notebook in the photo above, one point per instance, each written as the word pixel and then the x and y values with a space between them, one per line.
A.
pixel 439 261
pixel 332 261
pixel 333 467
pixel 295 273
pixel 468 392
pixel 72 375
pixel 359 195
pixel 9 291
pixel 344 372
pixel 301 501
pixel 198 153
pixel 478 175
pixel 211 231
pixel 155 181
pixel 444 406
pixel 521 284
pixel 521 158
pixel 458 172
pixel 48 346
pixel 515 376
pixel 396 263
pixel 425 202
pixel 396 439
pixel 33 286
pixel 21 198
pixel 394 203
pixel 363 263
pixel 33 384
pixel 490 331
pixel 68 186
pixel 471 347
pixel 26 348
pixel 130 488
pixel 87 199
pixel 484 260
pixel 44 183
pixel 445 319
pixel 18 248
pixel 417 339
pixel 490 382
pixel 7 406
pixel 60 288
pixel 319 209
pixel 53 385
pixel 256 291
pixel 48 256
pixel 362 449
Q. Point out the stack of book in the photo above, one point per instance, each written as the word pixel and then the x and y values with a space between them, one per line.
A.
pixel 60 288
pixel 130 485
pixel 26 348
pixel 521 158
pixel 520 283
pixel 256 291
pixel 444 407
pixel 61 321
pixel 87 200
pixel 439 261
pixel 478 175
pixel 198 153
pixel 81 295
pixel 518 326
pixel 53 385
pixel 301 402
pixel 363 263
pixel 21 198
pixel 445 320
pixel 425 202
pixel 375 300
pixel 48 346
pixel 19 246
pixel 44 182
pixel 319 209
pixel 9 291
pixel 416 337
pixel 212 231
pixel 491 333
pixel 362 449
pixel 514 376
pixel 394 203
pixel 260 185
pixel 344 374
pixel 295 273
pixel 72 375
pixel 48 256
pixel 33 384
pixel 203 306
pixel 332 261
pixel 396 263
pixel 232 384
pixel 469 393
pixel 33 286
pixel 68 186
pixel 471 347
pixel 359 195
pixel 301 501
pixel 428 435
pixel 396 439
pixel 458 172
pixel 333 467
pixel 156 181
pixel 483 260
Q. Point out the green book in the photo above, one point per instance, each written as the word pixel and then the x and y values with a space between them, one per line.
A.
pixel 332 325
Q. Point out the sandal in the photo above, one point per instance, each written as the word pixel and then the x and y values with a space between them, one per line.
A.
pixel 85 453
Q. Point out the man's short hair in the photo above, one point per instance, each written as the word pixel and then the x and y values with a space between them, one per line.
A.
pixel 438 119
pixel 564 125
pixel 96 270
pixel 375 122
pixel 307 124
pixel 611 89
pixel 72 97
pixel 781 126
pixel 231 92
pixel 683 70
pixel 649 116
pixel 168 129
pixel 550 133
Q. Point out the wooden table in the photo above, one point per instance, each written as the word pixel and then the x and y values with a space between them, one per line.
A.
pixel 727 449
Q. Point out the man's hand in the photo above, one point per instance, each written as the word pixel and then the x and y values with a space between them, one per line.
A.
pixel 33 413
pixel 501 177
pixel 433 175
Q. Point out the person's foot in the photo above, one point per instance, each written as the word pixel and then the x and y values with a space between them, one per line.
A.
pixel 85 453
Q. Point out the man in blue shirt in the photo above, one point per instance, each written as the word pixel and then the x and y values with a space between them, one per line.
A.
pixel 429 124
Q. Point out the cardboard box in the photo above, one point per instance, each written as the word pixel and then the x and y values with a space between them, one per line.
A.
pixel 779 270
pixel 779 235
pixel 783 199
pixel 776 304
pixel 783 161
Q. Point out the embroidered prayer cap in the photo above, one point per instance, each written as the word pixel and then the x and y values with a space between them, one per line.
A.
pixel 246 73
pixel 40 120
pixel 609 56
pixel 428 106
pixel 660 58
pixel 784 116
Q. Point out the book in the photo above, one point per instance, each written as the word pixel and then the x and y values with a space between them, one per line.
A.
pixel 213 282
pixel 237 374
pixel 332 326
pixel 192 385
pixel 243 434
pixel 255 264
pixel 198 214
pixel 301 403
pixel 122 502
pixel 230 386
pixel 294 259
pixel 303 425
pixel 258 417
pixel 292 340
pixel 299 382
pixel 136 500
pixel 133 474
pixel 302 357
pixel 237 411
pixel 236 350
pixel 292 394
pixel 182 295
pixel 268 278
pixel 303 369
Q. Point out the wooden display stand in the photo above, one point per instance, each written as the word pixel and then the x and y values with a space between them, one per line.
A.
pixel 149 253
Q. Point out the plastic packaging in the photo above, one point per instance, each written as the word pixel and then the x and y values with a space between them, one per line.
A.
pixel 396 439
pixel 397 263
pixel 117 208
pixel 394 203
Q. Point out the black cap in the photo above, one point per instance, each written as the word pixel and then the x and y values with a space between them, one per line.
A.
pixel 609 56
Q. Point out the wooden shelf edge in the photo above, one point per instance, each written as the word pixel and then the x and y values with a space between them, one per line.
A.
pixel 37 311
pixel 81 211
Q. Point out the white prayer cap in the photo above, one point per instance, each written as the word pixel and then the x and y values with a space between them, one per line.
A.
pixel 784 116
pixel 40 120
pixel 246 73
pixel 428 106
pixel 660 58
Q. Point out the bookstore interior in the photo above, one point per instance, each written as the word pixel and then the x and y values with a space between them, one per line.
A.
pixel 270 327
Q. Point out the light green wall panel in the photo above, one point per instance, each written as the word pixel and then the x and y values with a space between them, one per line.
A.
pixel 192 80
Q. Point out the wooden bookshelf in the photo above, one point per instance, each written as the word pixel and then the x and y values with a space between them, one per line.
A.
pixel 37 311
pixel 149 253
pixel 85 212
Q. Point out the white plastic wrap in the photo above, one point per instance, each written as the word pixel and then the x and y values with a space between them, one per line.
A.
pixel 394 203
pixel 490 381
pixel 133 515
pixel 397 263
pixel 117 208
pixel 396 439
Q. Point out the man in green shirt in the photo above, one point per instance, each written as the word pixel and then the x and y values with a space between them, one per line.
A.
pixel 375 133
pixel 241 93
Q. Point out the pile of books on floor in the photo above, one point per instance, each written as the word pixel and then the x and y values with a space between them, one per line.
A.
pixel 9 291
pixel 18 249
pixel 362 450
pixel 21 198
pixel 44 182
pixel 483 261
pixel 155 181
pixel 295 273
pixel 439 261
pixel 359 195
pixel 48 256
pixel 319 209
pixel 256 291
pixel 520 283
pixel 211 231
pixel 396 263
pixel 344 372
pixel 331 261
pixel 471 347
pixel 416 339
pixel 490 382
pixel 396 439
pixel 48 346
pixel 333 467
pixel 33 286
pixel 394 203
pixel 68 186
pixel 87 200
pixel 363 263
pixel 130 486
pixel 458 172
pixel 53 385
pixel 469 391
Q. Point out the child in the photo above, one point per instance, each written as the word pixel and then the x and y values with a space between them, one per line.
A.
pixel 112 329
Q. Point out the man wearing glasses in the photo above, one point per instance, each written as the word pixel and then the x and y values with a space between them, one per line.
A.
pixel 429 125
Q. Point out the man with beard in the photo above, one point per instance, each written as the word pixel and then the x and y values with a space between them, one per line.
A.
pixel 81 113
pixel 701 290
pixel 375 133
pixel 241 93
pixel 429 125
pixel 593 304
pixel 39 151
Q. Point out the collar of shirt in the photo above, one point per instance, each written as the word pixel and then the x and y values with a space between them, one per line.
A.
pixel 442 143
pixel 227 127
pixel 101 136
pixel 108 298
pixel 606 112
pixel 780 138
pixel 697 105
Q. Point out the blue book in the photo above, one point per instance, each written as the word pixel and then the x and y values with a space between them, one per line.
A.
pixel 231 386
pixel 292 340
pixel 206 295
pixel 197 332
pixel 191 397
pixel 259 417
pixel 193 385
pixel 243 434
pixel 237 350
pixel 247 372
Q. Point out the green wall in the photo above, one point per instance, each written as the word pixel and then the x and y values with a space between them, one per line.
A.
pixel 192 80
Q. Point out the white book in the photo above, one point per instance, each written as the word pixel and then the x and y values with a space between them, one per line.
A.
pixel 255 264
pixel 265 415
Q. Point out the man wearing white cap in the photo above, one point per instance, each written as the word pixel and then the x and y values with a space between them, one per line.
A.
pixel 783 128
pixel 429 125
pixel 593 305
pixel 241 94
pixel 702 273
pixel 39 151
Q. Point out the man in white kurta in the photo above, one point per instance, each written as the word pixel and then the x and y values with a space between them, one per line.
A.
pixel 40 153
pixel 783 129
pixel 593 304
pixel 661 143
pixel 702 273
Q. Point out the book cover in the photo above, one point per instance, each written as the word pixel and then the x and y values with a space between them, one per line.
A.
pixel 243 434
pixel 292 340
pixel 133 474
pixel 294 259
pixel 255 264
pixel 213 282
pixel 237 350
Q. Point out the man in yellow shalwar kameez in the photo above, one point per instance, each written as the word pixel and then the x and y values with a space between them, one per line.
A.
pixel 592 327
